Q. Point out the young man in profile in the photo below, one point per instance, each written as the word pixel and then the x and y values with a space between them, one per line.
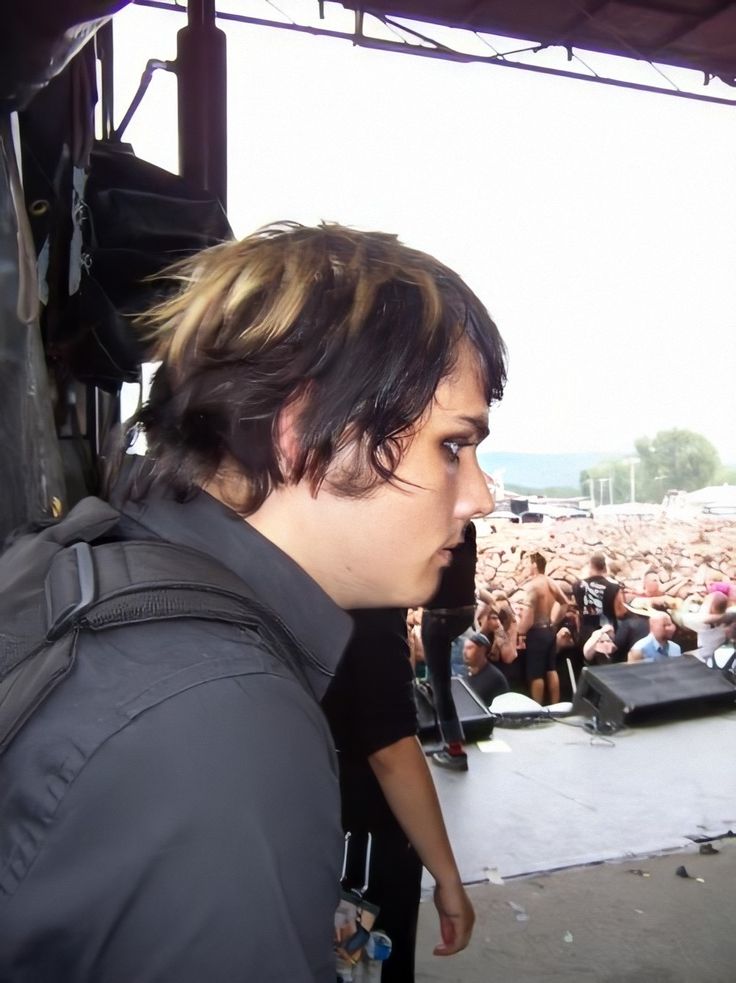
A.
pixel 171 812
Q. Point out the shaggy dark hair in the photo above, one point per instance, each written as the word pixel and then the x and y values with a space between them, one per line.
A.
pixel 352 328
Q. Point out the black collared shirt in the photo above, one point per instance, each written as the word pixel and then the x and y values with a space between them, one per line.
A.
pixel 321 628
pixel 171 813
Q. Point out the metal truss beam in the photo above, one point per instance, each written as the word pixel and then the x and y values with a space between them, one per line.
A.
pixel 426 47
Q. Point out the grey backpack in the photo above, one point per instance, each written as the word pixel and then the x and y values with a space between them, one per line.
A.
pixel 75 576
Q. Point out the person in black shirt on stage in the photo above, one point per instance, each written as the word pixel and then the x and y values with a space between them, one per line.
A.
pixel 448 614
pixel 386 790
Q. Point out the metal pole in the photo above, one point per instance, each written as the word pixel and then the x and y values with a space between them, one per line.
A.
pixel 632 463
pixel 201 68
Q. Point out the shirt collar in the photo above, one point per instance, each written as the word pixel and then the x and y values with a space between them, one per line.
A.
pixel 274 579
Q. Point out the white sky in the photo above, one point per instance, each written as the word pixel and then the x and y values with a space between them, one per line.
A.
pixel 597 224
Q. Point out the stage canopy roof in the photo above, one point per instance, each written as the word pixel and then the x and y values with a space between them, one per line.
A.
pixel 694 34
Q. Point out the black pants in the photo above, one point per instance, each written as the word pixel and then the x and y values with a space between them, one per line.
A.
pixel 394 884
pixel 438 632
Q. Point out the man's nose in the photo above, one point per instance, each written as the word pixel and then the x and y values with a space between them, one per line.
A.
pixel 477 494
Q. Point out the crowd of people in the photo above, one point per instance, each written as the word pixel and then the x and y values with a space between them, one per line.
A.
pixel 681 555
pixel 529 625
pixel 583 592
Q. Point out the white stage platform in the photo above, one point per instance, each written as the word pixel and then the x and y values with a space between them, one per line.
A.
pixel 549 796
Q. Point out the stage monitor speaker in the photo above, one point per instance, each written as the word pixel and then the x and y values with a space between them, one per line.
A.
pixel 637 692
pixel 476 719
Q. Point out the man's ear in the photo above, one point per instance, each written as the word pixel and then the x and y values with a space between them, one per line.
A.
pixel 288 439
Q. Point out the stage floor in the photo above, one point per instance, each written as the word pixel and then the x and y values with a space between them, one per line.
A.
pixel 549 796
pixel 600 831
pixel 630 922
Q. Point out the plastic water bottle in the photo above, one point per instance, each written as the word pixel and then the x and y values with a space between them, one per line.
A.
pixel 377 951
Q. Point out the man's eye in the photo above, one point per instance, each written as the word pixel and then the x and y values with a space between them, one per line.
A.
pixel 453 446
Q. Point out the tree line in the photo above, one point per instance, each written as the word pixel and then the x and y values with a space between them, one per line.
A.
pixel 672 460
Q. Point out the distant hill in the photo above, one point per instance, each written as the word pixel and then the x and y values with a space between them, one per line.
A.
pixel 542 470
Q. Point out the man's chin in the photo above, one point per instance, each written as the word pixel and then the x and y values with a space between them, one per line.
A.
pixel 401 596
pixel 427 590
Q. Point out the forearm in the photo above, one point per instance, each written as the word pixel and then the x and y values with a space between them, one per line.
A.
pixel 526 617
pixel 589 649
pixel 483 605
pixel 402 772
pixel 618 605
pixel 507 649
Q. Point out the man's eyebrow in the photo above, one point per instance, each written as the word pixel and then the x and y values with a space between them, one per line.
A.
pixel 479 425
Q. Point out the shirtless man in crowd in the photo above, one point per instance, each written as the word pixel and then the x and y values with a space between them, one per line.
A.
pixel 543 606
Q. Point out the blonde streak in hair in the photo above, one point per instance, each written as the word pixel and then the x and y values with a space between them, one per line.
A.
pixel 314 262
pixel 201 312
pixel 224 287
pixel 370 274
pixel 364 298
pixel 432 301
pixel 247 336
pixel 150 321
pixel 275 321
pixel 191 324
pixel 387 270
pixel 301 271
pixel 284 313
pixel 258 266
pixel 164 320
pixel 435 307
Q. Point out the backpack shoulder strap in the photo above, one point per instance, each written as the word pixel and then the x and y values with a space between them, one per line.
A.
pixel 110 584
pixel 122 582
pixel 24 566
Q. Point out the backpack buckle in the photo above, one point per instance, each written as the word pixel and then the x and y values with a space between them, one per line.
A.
pixel 70 589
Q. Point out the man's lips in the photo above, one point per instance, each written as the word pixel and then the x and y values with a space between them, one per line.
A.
pixel 446 554
pixel 446 551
